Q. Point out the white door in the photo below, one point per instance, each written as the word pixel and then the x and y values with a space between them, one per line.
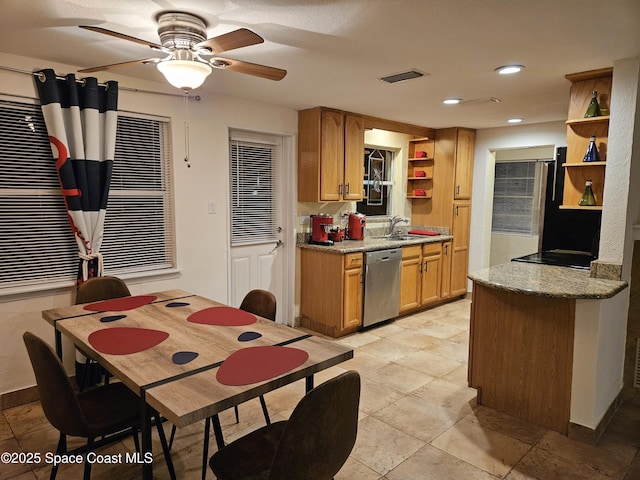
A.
pixel 257 253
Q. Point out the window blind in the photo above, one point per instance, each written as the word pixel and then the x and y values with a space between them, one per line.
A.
pixel 254 191
pixel 139 223
pixel 516 197
pixel 37 247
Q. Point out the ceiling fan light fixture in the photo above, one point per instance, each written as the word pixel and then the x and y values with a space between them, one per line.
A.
pixel 184 74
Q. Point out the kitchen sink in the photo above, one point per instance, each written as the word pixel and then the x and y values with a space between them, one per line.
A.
pixel 399 237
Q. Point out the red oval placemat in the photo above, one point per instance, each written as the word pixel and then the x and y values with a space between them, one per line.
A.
pixel 126 340
pixel 256 364
pixel 120 304
pixel 223 316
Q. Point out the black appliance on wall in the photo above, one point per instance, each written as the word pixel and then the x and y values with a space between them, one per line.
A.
pixel 569 237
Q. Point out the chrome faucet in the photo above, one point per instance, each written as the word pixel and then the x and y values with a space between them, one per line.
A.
pixel 395 220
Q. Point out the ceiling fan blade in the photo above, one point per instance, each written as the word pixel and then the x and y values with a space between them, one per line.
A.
pixel 117 65
pixel 254 69
pixel 230 41
pixel 122 36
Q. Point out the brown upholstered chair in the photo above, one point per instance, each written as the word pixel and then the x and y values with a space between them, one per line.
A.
pixel 111 411
pixel 98 289
pixel 261 303
pixel 313 444
pixel 101 288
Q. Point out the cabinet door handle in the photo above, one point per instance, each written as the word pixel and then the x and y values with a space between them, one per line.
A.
pixel 456 210
pixel 346 189
pixel 340 188
pixel 426 267
pixel 446 249
pixel 457 189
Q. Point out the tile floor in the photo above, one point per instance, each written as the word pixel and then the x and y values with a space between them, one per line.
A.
pixel 418 420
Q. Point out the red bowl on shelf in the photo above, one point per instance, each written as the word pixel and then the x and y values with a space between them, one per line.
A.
pixel 421 154
pixel 419 173
pixel 418 192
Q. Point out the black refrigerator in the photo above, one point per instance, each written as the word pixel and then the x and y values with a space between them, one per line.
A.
pixel 569 237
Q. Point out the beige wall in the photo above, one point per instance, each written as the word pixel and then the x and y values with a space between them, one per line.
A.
pixel 201 238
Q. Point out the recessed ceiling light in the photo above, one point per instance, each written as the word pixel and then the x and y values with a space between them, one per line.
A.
pixel 514 120
pixel 509 69
pixel 451 101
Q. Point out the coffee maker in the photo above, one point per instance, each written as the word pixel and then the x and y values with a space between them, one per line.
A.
pixel 357 224
pixel 321 224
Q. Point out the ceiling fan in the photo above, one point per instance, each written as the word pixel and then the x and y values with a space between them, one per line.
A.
pixel 190 55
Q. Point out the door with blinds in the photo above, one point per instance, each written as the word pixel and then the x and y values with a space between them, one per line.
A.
pixel 256 206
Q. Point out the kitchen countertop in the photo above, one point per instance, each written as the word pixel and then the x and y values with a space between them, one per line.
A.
pixel 375 243
pixel 547 281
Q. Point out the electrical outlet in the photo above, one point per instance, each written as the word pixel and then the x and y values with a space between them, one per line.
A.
pixel 304 219
pixel 212 206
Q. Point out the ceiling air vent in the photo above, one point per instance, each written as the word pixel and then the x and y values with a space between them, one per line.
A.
pixel 401 77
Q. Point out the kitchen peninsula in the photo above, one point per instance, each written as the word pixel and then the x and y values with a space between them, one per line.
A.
pixel 529 342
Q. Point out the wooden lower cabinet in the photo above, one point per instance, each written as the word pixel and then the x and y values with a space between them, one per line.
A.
pixel 331 292
pixel 460 247
pixel 420 276
pixel 431 273
pixel 352 290
pixel 410 278
pixel 521 354
pixel 445 289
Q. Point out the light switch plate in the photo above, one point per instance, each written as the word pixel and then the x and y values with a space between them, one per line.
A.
pixel 212 206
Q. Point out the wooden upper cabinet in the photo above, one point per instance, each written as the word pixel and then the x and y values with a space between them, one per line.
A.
pixel 353 158
pixel 464 163
pixel 330 156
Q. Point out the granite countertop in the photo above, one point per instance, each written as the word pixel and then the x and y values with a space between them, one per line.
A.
pixel 547 281
pixel 375 243
pixel 375 240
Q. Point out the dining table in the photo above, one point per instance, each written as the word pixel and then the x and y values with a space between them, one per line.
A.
pixel 189 357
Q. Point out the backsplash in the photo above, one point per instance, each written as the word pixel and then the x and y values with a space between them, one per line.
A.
pixel 303 237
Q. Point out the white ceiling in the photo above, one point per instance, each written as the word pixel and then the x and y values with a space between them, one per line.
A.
pixel 334 50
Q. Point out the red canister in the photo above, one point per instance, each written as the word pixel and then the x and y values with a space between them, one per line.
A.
pixel 357 224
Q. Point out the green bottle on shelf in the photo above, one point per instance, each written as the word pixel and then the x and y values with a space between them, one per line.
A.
pixel 593 110
pixel 587 199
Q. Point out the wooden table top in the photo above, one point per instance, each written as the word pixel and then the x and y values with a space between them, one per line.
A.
pixel 187 390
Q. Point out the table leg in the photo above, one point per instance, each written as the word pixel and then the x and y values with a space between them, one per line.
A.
pixel 145 428
pixel 58 335
pixel 217 431
pixel 309 383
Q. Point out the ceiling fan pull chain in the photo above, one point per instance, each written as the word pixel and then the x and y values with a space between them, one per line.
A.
pixel 186 129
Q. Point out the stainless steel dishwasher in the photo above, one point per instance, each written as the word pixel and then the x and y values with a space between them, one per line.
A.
pixel 381 285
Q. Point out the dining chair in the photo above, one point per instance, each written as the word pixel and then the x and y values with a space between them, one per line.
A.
pixel 110 411
pixel 313 444
pixel 95 290
pixel 101 288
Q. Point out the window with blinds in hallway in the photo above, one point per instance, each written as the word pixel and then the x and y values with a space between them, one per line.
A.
pixel 37 248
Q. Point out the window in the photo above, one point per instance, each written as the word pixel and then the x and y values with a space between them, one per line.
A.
pixel 37 249
pixel 377 182
pixel 255 161
pixel 516 197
